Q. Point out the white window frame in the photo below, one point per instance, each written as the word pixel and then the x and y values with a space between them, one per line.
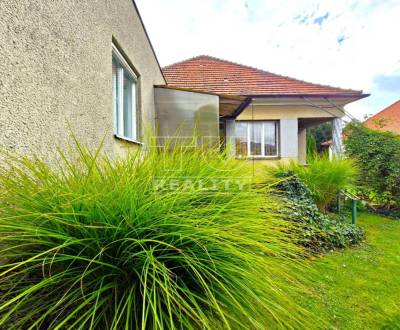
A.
pixel 119 117
pixel 263 155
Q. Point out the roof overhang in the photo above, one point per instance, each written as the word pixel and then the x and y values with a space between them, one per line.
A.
pixel 346 98
pixel 232 106
pixel 229 110
pixel 312 122
pixel 337 101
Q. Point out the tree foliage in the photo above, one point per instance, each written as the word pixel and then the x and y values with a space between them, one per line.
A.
pixel 312 150
pixel 378 156
pixel 321 133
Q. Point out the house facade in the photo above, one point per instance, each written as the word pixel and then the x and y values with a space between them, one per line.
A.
pixel 89 68
pixel 264 116
pixel 86 66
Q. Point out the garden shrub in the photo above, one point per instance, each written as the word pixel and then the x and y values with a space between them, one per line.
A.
pixel 319 232
pixel 325 178
pixel 378 157
pixel 311 150
pixel 124 244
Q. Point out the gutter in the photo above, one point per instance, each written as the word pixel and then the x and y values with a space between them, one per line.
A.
pixel 350 95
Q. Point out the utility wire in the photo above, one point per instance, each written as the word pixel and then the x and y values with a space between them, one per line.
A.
pixel 346 112
pixel 323 109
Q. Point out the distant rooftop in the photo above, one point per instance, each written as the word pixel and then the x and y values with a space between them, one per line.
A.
pixel 213 75
pixel 386 120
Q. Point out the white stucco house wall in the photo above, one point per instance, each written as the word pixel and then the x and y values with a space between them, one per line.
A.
pixel 89 67
pixel 71 65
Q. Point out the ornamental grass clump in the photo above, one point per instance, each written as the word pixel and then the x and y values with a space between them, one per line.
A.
pixel 162 240
pixel 324 177
pixel 327 177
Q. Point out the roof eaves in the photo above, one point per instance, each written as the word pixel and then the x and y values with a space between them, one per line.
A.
pixel 242 107
pixel 358 95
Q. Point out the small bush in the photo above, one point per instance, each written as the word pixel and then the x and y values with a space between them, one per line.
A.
pixel 319 232
pixel 126 244
pixel 378 157
pixel 324 177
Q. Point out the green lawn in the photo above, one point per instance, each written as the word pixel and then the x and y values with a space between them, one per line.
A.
pixel 359 288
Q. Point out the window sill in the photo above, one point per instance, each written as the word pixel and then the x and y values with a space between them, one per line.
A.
pixel 119 137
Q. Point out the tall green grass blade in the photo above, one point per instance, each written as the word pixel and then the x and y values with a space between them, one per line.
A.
pixel 97 243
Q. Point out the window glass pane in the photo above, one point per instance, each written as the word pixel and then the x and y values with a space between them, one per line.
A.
pixel 270 142
pixel 124 99
pixel 128 123
pixel 256 138
pixel 241 138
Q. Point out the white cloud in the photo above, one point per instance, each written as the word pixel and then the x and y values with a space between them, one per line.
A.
pixel 294 38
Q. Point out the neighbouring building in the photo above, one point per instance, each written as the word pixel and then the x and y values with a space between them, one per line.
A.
pixel 386 120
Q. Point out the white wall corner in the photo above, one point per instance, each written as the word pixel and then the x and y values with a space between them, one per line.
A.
pixel 230 136
pixel 337 137
pixel 289 140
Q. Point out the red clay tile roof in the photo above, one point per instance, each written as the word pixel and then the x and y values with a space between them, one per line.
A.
pixel 210 74
pixel 386 120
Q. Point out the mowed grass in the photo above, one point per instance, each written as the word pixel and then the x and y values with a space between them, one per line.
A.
pixel 359 288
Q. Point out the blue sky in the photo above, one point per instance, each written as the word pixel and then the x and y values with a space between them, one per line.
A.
pixel 345 43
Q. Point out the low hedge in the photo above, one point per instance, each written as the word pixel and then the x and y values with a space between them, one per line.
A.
pixel 378 158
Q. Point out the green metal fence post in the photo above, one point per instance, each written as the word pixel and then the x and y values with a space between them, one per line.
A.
pixel 354 212
pixel 338 203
